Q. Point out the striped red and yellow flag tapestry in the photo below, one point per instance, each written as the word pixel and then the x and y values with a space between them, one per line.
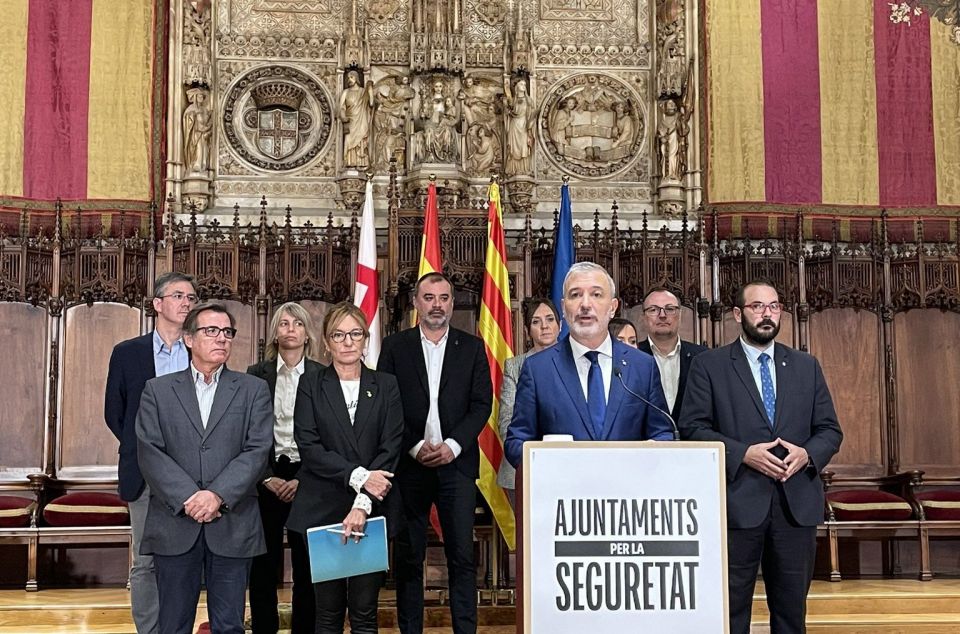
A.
pixel 831 105
pixel 497 333
pixel 81 101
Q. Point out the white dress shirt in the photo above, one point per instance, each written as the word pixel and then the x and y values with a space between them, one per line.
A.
pixel 206 392
pixel 433 357
pixel 753 358
pixel 284 399
pixel 669 366
pixel 605 359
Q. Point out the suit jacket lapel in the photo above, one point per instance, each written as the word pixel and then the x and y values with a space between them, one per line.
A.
pixel 615 398
pixel 781 357
pixel 183 388
pixel 226 390
pixel 365 400
pixel 334 395
pixel 567 370
pixel 146 360
pixel 450 356
pixel 742 368
pixel 271 376
pixel 415 350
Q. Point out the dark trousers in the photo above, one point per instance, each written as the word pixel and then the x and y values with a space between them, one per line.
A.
pixel 178 585
pixel 785 552
pixel 456 498
pixel 266 570
pixel 357 596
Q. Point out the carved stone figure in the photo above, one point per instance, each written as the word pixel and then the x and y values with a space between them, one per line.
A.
pixel 623 125
pixel 671 76
pixel 519 129
pixel 392 100
pixel 197 130
pixel 438 140
pixel 482 149
pixel 560 124
pixel 477 103
pixel 356 103
pixel 196 44
pixel 668 135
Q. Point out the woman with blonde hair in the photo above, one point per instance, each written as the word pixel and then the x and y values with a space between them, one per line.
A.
pixel 289 355
pixel 349 427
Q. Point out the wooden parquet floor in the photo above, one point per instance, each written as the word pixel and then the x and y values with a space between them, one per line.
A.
pixel 852 606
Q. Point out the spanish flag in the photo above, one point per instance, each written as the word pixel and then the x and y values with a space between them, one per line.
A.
pixel 831 103
pixel 80 101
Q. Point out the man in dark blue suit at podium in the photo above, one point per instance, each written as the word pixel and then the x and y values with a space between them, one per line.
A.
pixel 588 386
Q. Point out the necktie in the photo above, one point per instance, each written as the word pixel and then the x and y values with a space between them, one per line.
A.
pixel 596 399
pixel 766 382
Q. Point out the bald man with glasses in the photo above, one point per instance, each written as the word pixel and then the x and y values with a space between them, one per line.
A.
pixel 662 315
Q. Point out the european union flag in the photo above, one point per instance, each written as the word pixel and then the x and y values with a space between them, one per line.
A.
pixel 562 252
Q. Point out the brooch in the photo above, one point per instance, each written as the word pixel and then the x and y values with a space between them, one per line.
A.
pixel 369 394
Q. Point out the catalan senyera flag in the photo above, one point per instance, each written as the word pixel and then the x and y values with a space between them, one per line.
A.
pixel 831 103
pixel 366 292
pixel 497 333
pixel 81 101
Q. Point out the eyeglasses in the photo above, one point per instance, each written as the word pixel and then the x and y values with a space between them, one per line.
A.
pixel 214 331
pixel 179 297
pixel 758 308
pixel 669 311
pixel 339 336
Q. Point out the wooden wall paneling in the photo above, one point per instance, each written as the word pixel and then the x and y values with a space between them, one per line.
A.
pixel 23 380
pixel 85 444
pixel 848 345
pixel 243 352
pixel 927 352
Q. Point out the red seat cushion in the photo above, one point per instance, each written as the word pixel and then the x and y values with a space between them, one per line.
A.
pixel 15 511
pixel 940 504
pixel 87 509
pixel 868 506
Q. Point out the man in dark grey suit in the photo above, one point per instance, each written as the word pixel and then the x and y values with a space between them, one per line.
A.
pixel 771 408
pixel 203 439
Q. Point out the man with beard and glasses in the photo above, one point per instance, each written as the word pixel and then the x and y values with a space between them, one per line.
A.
pixel 444 381
pixel 770 406
pixel 582 385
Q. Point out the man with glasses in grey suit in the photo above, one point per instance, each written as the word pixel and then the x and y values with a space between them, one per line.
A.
pixel 203 439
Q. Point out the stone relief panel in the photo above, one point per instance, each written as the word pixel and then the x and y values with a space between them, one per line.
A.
pixel 277 118
pixel 593 125
pixel 299 29
pixel 581 10
pixel 591 32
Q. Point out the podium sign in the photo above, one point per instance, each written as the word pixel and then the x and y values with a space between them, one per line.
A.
pixel 624 537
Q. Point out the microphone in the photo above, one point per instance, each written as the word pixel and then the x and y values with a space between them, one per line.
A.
pixel 676 431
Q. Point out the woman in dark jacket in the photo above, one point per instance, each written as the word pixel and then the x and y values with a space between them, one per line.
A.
pixel 289 355
pixel 349 427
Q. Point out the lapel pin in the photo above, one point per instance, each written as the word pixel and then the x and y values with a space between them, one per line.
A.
pixel 369 394
pixel 784 364
pixel 623 362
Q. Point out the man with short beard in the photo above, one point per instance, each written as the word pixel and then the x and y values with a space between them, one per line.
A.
pixel 588 385
pixel 444 381
pixel 770 406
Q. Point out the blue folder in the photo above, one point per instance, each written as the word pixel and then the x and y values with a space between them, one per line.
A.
pixel 331 559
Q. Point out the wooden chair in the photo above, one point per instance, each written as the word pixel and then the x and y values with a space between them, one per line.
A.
pixel 870 508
